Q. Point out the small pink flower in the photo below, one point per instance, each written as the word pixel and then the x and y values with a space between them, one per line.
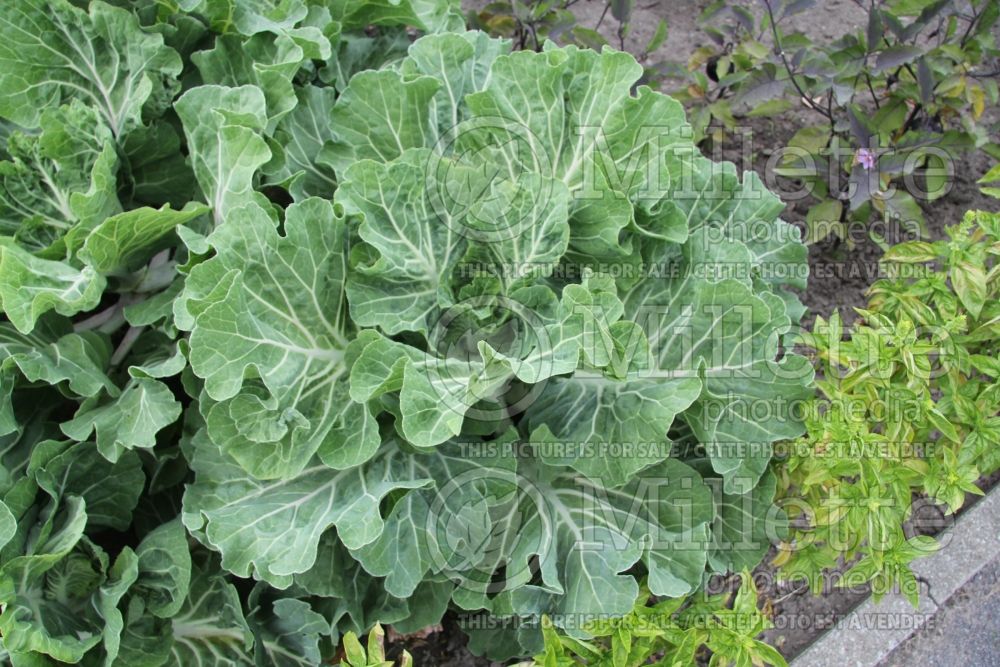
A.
pixel 865 158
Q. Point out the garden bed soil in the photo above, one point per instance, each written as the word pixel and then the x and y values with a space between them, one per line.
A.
pixel 841 276
pixel 841 273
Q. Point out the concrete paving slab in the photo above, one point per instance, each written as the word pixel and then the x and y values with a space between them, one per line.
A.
pixel 870 634
pixel 965 630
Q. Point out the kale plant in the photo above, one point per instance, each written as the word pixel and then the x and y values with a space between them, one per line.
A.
pixel 311 327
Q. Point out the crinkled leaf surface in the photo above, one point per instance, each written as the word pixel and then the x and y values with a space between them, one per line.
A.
pixel 264 61
pixel 58 179
pixel 281 312
pixel 726 334
pixel 31 286
pixel 51 50
pixel 452 309
pixel 128 421
pixel 305 133
pixel 271 529
pixel 586 535
pixel 126 240
pixel 223 127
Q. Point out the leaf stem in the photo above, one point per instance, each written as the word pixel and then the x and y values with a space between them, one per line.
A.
pixel 125 346
pixel 871 89
pixel 98 320
pixel 788 68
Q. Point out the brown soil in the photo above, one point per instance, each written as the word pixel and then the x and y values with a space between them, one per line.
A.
pixel 840 273
pixel 825 20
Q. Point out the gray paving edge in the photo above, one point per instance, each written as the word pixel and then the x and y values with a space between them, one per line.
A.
pixel 869 634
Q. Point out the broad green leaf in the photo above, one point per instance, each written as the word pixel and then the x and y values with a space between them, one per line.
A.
pixel 156 308
pixel 420 234
pixel 248 17
pixel 129 421
pixel 288 635
pixel 270 529
pixel 610 430
pixel 811 140
pixel 717 205
pixel 530 88
pixel 904 207
pixel 51 51
pixel 822 219
pixel 472 360
pixel 896 56
pixel 723 333
pixel 210 627
pixel 504 641
pixel 523 225
pixel 461 63
pixel 276 304
pixel 126 240
pixel 586 535
pixel 417 243
pixel 467 487
pixel 968 280
pixel 305 133
pixel 356 53
pixel 355 600
pixel 58 179
pixel 264 61
pixel 378 116
pixel 111 492
pixel 164 569
pixel 223 127
pixel 568 114
pixel 158 170
pixel 31 286
pixel 745 523
pixel 29 413
pixel 160 357
pixel 431 15
pixel 53 354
